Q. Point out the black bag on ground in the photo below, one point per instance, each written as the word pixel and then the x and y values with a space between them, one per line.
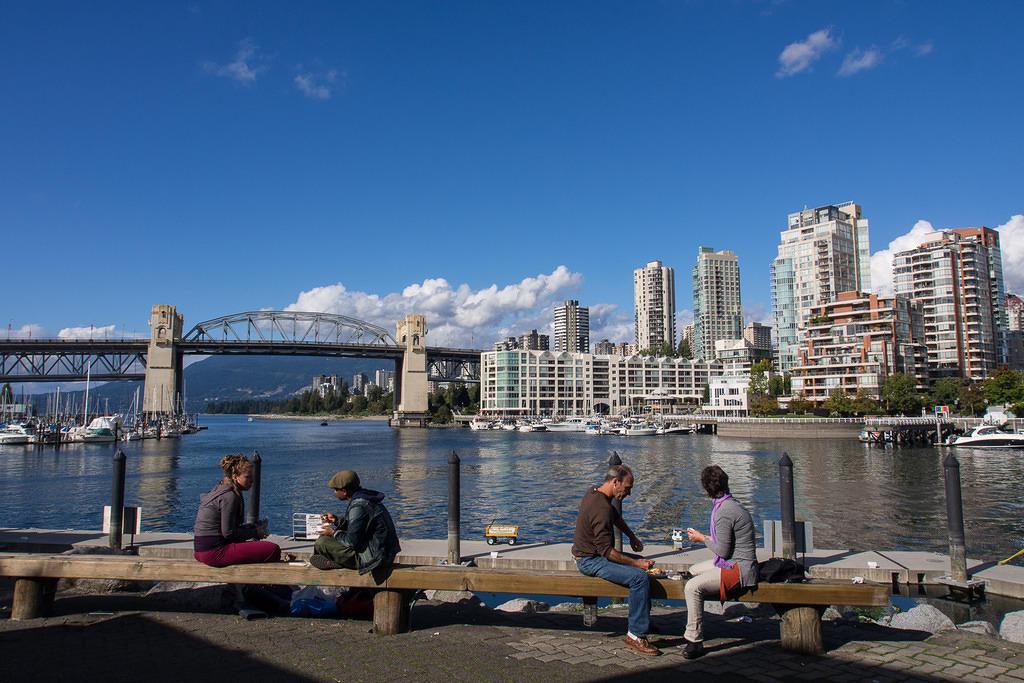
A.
pixel 780 570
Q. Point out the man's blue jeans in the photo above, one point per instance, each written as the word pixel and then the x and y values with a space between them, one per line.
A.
pixel 635 579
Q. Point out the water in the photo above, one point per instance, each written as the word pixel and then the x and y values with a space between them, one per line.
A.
pixel 857 497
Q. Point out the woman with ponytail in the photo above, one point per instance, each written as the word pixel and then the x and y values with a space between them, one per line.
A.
pixel 221 537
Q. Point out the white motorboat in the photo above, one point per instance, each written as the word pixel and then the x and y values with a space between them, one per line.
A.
pixel 987 436
pixel 14 435
pixel 571 424
pixel 640 430
pixel 480 423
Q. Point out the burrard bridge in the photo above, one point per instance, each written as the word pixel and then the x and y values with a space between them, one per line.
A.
pixel 159 359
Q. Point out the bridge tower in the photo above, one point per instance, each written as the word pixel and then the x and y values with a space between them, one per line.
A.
pixel 163 361
pixel 411 408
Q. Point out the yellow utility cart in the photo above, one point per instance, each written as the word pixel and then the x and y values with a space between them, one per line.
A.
pixel 501 533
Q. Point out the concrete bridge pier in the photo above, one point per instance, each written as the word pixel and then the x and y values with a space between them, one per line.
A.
pixel 411 407
pixel 163 362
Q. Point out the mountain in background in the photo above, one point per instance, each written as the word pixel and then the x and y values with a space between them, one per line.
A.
pixel 230 378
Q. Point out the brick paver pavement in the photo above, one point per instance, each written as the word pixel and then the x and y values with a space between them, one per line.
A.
pixel 460 642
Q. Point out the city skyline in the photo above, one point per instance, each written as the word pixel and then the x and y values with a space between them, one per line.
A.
pixel 361 160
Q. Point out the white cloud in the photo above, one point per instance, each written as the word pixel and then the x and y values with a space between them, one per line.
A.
pixel 923 49
pixel 860 60
pixel 456 316
pixel 608 322
pixel 1011 244
pixel 246 66
pixel 881 261
pixel 758 312
pixel 30 331
pixel 801 55
pixel 314 86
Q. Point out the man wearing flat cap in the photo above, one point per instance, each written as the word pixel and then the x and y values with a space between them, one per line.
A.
pixel 364 538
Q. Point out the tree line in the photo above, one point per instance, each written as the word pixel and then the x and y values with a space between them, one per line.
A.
pixel 900 395
pixel 340 402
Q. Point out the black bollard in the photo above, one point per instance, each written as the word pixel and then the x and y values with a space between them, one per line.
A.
pixel 617 504
pixel 955 520
pixel 788 510
pixel 454 508
pixel 117 501
pixel 252 513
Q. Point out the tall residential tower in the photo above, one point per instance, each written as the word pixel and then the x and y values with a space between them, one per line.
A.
pixel 654 301
pixel 572 327
pixel 824 251
pixel 717 311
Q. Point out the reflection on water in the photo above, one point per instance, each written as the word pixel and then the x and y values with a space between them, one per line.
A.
pixel 857 497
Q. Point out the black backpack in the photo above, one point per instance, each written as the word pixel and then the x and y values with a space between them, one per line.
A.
pixel 780 570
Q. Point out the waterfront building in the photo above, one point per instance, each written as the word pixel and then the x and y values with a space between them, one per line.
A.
pixel 717 310
pixel 506 344
pixel 322 384
pixel 738 355
pixel 855 342
pixel 823 251
pixel 758 336
pixel 957 276
pixel 547 382
pixel 572 327
pixel 729 396
pixel 654 305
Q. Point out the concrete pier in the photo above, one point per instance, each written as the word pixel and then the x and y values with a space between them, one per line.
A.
pixel 903 568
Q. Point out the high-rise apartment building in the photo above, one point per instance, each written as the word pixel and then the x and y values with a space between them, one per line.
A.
pixel 572 327
pixel 654 303
pixel 824 251
pixel 957 275
pixel 758 336
pixel 1014 332
pixel 858 340
pixel 533 341
pixel 717 311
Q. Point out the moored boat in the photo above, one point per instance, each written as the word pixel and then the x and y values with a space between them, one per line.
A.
pixel 987 436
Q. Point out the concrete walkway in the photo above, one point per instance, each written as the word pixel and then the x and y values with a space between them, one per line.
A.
pixel 463 642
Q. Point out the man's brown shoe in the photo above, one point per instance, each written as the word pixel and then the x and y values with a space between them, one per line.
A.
pixel 642 646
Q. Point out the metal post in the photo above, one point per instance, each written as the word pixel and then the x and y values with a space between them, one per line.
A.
pixel 117 501
pixel 252 514
pixel 617 504
pixel 788 510
pixel 454 508
pixel 955 519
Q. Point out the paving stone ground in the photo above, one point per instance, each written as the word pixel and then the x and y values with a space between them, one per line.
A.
pixel 122 638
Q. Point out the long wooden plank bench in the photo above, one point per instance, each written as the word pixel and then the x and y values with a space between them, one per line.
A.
pixel 800 605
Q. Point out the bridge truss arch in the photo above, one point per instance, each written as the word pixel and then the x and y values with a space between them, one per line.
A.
pixel 292 327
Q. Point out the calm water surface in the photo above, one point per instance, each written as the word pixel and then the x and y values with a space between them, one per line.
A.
pixel 857 497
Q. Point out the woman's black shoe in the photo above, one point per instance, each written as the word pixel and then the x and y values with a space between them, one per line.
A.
pixel 693 650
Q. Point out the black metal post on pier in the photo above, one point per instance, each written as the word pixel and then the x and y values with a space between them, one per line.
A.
pixel 454 508
pixel 616 503
pixel 252 512
pixel 955 520
pixel 117 501
pixel 788 508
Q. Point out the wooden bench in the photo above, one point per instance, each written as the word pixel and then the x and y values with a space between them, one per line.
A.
pixel 800 605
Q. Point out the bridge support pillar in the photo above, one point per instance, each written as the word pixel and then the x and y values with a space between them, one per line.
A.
pixel 412 409
pixel 163 362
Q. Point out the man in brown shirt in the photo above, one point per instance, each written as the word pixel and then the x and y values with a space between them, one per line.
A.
pixel 595 554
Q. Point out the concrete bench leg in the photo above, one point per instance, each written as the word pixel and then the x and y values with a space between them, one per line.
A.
pixel 391 611
pixel 32 598
pixel 800 630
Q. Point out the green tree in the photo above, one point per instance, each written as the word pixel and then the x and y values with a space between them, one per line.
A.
pixel 777 385
pixel 839 403
pixel 801 406
pixel 864 403
pixel 972 399
pixel 764 405
pixel 900 393
pixel 359 404
pixel 946 391
pixel 1004 386
pixel 759 378
pixel 684 350
pixel 373 393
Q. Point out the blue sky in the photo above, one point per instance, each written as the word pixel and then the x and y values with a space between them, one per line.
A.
pixel 478 161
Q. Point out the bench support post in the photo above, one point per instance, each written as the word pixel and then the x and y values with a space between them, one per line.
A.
pixel 800 630
pixel 391 612
pixel 32 598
